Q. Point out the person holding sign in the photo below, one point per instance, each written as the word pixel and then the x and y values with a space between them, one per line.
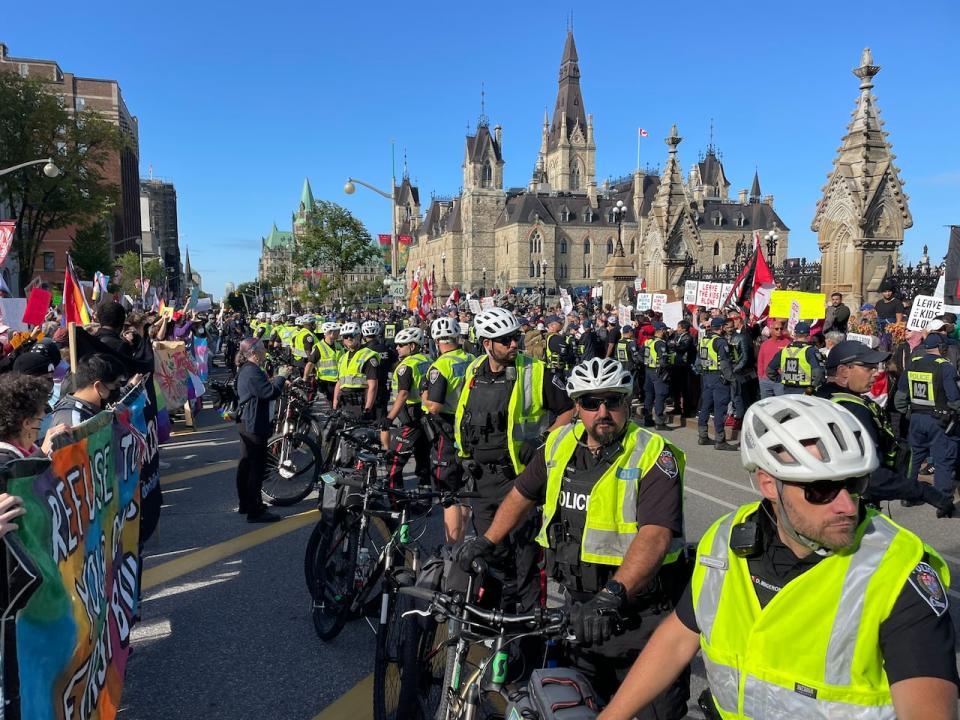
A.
pixel 798 365
pixel 928 391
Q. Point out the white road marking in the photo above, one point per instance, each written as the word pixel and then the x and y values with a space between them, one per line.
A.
pixel 731 483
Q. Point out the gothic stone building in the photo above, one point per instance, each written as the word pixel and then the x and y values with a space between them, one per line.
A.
pixel 562 229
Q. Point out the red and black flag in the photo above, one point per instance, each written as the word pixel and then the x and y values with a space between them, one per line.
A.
pixel 750 293
pixel 951 272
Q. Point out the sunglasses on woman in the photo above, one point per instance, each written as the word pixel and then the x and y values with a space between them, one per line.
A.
pixel 593 402
pixel 824 492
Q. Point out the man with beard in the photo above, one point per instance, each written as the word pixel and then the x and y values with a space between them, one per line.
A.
pixel 617 555
pixel 806 604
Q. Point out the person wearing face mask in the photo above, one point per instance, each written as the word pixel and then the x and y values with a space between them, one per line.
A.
pixel 254 393
pixel 99 380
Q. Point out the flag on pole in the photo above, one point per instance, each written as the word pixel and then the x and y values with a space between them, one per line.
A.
pixel 751 289
pixel 7 228
pixel 454 297
pixel 642 132
pixel 75 308
pixel 951 271
pixel 413 300
pixel 99 285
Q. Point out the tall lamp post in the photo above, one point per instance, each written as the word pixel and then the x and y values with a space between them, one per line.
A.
pixel 443 265
pixel 483 287
pixel 350 188
pixel 772 237
pixel 543 283
pixel 619 215
pixel 49 168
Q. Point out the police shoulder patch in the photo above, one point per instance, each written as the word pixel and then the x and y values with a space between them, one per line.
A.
pixel 558 383
pixel 402 370
pixel 668 463
pixel 926 582
pixel 434 374
pixel 374 362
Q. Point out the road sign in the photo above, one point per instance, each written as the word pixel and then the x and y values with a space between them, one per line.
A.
pixel 397 290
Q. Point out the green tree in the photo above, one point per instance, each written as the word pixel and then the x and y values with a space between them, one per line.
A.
pixel 336 242
pixel 33 125
pixel 90 251
pixel 129 264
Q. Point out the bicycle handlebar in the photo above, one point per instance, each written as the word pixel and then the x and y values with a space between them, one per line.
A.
pixel 547 621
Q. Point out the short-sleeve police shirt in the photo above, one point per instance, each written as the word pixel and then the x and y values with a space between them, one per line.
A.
pixel 916 640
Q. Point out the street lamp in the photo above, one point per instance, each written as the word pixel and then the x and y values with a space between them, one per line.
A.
pixel 443 264
pixel 772 237
pixel 543 283
pixel 619 215
pixel 350 187
pixel 483 288
pixel 49 169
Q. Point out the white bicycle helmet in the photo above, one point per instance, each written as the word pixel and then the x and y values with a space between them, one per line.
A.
pixel 349 329
pixel 495 322
pixel 409 335
pixel 445 328
pixel 276 317
pixel 329 327
pixel 779 426
pixel 370 328
pixel 599 375
pixel 261 316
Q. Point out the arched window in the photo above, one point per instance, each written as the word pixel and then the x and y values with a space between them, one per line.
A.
pixel 575 175
pixel 609 246
pixel 531 268
pixel 563 246
pixel 633 245
pixel 586 246
pixel 487 179
pixel 716 248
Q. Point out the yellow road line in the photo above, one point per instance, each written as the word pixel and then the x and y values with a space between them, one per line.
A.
pixel 210 469
pixel 173 569
pixel 355 704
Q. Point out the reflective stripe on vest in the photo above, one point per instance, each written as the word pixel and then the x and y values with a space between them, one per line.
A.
pixel 925 381
pixel 418 365
pixel 622 354
pixel 526 416
pixel 795 369
pixel 299 343
pixel 813 651
pixel 651 358
pixel 707 347
pixel 327 364
pixel 553 358
pixel 453 366
pixel 611 522
pixel 350 369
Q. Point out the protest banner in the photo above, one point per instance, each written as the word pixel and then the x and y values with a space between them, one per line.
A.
pixel 925 308
pixel 708 294
pixel 201 356
pixel 644 301
pixel 725 291
pixel 81 533
pixel 204 305
pixel 690 288
pixel 38 303
pixel 794 316
pixel 870 341
pixel 11 313
pixel 672 313
pixel 657 302
pixel 812 305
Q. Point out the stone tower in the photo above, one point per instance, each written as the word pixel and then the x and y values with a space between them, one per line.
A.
pixel 862 216
pixel 569 153
pixel 482 200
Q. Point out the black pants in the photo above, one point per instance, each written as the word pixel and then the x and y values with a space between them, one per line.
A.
pixel 250 471
pixel 446 471
pixel 607 666
pixel 405 441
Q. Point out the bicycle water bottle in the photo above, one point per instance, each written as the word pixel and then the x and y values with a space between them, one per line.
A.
pixel 363 562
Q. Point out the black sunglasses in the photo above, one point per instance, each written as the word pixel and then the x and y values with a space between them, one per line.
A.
pixel 507 339
pixel 593 402
pixel 824 492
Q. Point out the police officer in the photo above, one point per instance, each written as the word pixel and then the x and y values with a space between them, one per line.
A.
pixel 625 579
pixel 683 381
pixel 390 328
pixel 589 345
pixel 506 404
pixel 370 330
pixel 629 353
pixel 558 352
pixel 851 369
pixel 797 366
pixel 329 355
pixel 807 604
pixel 409 438
pixel 357 376
pixel 928 391
pixel 656 367
pixel 745 389
pixel 716 373
pixel 445 379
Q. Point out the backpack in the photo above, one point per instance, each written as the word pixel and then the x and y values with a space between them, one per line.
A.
pixel 554 694
pixel 534 345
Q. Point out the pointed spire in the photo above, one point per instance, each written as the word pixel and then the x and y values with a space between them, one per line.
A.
pixel 483 121
pixel 568 111
pixel 187 271
pixel 406 171
pixel 306 196
pixel 755 188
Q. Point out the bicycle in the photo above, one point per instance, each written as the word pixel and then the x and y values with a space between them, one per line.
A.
pixel 294 457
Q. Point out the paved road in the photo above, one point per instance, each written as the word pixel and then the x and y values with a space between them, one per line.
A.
pixel 226 629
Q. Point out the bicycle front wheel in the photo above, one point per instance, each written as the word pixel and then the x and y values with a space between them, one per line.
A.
pixel 394 692
pixel 293 469
pixel 335 563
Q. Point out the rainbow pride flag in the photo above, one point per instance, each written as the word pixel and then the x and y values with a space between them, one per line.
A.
pixel 75 308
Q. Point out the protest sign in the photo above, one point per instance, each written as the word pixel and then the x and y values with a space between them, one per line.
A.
pixel 171 368
pixel 812 305
pixel 11 313
pixel 624 312
pixel 37 305
pixel 725 291
pixel 794 316
pixel 657 302
pixel 925 308
pixel 708 294
pixel 690 292
pixel 870 341
pixel 672 313
pixel 81 532
pixel 637 284
pixel 487 303
pixel 204 305
pixel 644 301
pixel 474 306
pixel 201 356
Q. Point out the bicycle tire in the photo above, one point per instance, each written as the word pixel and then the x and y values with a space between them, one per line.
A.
pixel 333 575
pixel 429 662
pixel 394 691
pixel 310 554
pixel 288 486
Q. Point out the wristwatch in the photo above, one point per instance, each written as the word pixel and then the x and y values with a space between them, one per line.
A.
pixel 616 588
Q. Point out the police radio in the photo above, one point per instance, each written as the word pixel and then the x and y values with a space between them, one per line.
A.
pixel 745 539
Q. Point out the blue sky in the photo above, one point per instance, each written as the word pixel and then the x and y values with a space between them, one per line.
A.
pixel 238 103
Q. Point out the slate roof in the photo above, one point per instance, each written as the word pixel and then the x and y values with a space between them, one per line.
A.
pixel 755 188
pixel 405 191
pixel 757 216
pixel 569 98
pixel 442 216
pixel 711 170
pixel 477 145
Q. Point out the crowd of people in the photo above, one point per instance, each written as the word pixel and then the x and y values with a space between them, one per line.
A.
pixel 560 420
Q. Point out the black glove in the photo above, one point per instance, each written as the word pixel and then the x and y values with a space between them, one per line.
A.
pixel 594 621
pixel 386 424
pixel 366 416
pixel 471 549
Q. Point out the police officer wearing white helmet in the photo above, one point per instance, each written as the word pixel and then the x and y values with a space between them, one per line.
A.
pixel 444 382
pixel 371 331
pixel 357 376
pixel 405 408
pixel 508 403
pixel 806 604
pixel 618 555
pixel 329 356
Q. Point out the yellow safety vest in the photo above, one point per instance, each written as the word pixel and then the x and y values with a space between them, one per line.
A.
pixel 299 343
pixel 925 382
pixel 350 369
pixel 418 364
pixel 286 335
pixel 327 365
pixel 813 651
pixel 707 347
pixel 553 358
pixel 651 356
pixel 526 416
pixel 795 370
pixel 623 354
pixel 611 522
pixel 453 366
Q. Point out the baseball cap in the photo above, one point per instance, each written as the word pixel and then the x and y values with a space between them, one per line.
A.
pixel 934 340
pixel 587 324
pixel 33 363
pixel 659 326
pixel 612 319
pixel 717 323
pixel 552 319
pixel 934 325
pixel 850 351
pixel 801 328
